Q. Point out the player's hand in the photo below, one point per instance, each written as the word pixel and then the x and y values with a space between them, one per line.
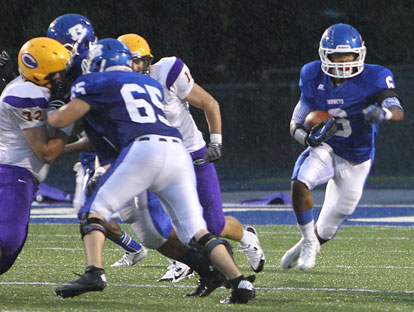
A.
pixel 213 152
pixel 373 115
pixel 6 67
pixel 93 181
pixel 321 132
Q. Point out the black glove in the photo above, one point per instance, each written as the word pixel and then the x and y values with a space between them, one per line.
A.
pixel 213 152
pixel 7 72
pixel 321 132
pixel 93 181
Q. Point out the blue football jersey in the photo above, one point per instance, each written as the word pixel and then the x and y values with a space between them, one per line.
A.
pixel 124 106
pixel 354 140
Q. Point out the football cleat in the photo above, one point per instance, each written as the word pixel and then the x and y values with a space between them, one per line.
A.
pixel 254 251
pixel 206 285
pixel 93 280
pixel 290 258
pixel 308 253
pixel 243 292
pixel 176 272
pixel 130 258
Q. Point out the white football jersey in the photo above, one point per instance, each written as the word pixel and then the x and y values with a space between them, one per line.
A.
pixel 175 78
pixel 22 106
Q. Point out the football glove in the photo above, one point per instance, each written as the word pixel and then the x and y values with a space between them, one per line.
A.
pixel 321 132
pixel 375 115
pixel 93 181
pixel 213 152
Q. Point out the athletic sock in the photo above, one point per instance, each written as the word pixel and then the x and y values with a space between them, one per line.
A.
pixel 128 243
pixel 245 241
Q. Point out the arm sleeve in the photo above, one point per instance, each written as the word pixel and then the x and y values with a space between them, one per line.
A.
pixel 300 112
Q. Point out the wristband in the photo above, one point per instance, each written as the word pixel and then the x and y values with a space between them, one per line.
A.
pixel 388 114
pixel 215 138
pixel 300 136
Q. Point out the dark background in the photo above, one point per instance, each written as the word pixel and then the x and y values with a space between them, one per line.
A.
pixel 248 55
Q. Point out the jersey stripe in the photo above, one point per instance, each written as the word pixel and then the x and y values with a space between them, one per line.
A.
pixel 174 72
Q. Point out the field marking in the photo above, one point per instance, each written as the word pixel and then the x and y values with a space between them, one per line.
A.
pixel 358 290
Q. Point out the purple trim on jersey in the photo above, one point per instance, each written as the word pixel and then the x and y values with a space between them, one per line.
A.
pixel 17 189
pixel 209 193
pixel 299 162
pixel 20 102
pixel 174 72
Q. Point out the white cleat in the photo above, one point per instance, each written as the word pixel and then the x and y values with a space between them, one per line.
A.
pixel 254 251
pixel 176 272
pixel 129 259
pixel 290 258
pixel 308 253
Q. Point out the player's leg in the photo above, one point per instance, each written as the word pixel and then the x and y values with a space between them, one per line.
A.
pixel 176 189
pixel 341 198
pixel 313 167
pixel 84 169
pixel 209 193
pixel 134 252
pixel 114 189
pixel 17 189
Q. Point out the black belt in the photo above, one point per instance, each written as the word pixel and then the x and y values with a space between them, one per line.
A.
pixel 159 139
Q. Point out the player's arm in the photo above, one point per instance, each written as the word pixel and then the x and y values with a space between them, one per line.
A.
pixel 390 108
pixel 68 114
pixel 81 145
pixel 47 149
pixel 200 98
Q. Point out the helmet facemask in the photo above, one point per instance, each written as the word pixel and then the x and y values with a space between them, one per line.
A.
pixel 147 59
pixel 342 69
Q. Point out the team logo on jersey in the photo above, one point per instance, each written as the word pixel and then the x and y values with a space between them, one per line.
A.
pixel 321 87
pixel 335 101
pixel 29 61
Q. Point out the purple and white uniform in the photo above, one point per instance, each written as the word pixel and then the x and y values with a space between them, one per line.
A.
pixel 175 78
pixel 22 106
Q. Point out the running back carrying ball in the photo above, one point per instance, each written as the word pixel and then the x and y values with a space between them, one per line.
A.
pixel 315 117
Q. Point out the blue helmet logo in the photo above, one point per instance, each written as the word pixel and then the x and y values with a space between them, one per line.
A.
pixel 29 61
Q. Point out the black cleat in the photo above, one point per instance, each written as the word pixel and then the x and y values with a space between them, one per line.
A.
pixel 93 280
pixel 206 285
pixel 243 292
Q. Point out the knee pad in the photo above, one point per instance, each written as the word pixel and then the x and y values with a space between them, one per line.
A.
pixel 88 224
pixel 208 242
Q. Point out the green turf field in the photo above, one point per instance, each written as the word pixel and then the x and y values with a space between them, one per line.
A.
pixel 362 269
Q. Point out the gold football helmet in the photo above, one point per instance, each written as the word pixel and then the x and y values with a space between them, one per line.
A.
pixel 140 50
pixel 40 58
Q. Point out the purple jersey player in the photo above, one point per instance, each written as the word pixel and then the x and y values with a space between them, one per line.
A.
pixel 26 147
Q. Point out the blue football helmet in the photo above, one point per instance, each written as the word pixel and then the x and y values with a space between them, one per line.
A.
pixel 108 55
pixel 74 31
pixel 342 38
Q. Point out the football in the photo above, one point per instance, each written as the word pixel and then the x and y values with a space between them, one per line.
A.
pixel 315 117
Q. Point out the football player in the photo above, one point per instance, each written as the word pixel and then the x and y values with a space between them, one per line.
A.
pixel 130 107
pixel 76 33
pixel 26 148
pixel 341 151
pixel 180 90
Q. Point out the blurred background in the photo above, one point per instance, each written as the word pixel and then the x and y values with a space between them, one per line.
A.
pixel 248 55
